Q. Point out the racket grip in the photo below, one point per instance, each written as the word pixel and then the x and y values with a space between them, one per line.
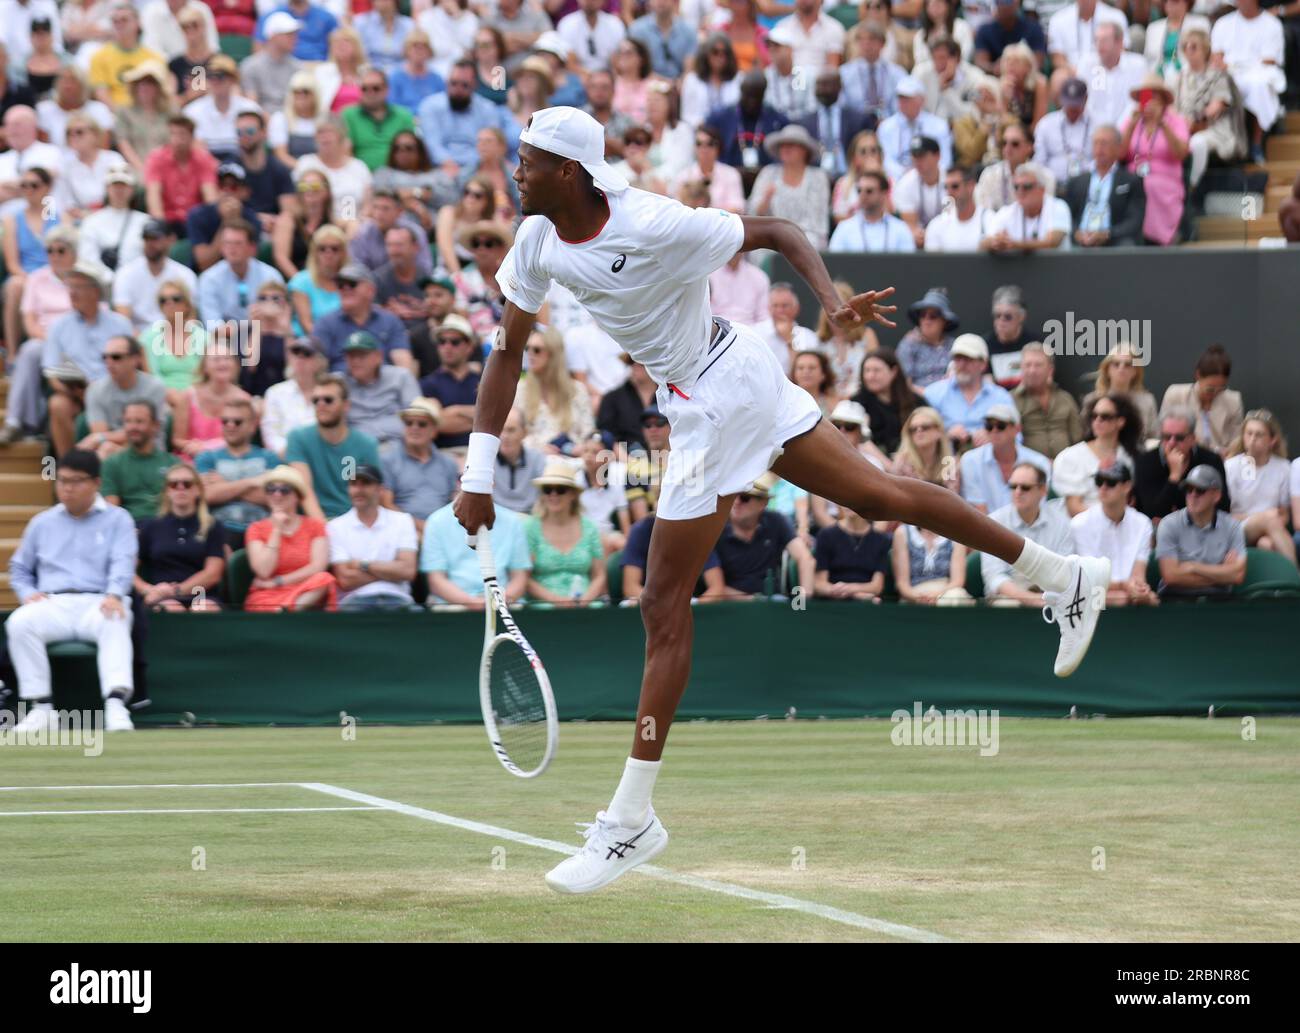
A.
pixel 481 542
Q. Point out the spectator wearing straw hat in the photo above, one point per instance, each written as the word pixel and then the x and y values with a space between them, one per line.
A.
pixel 987 469
pixel 924 351
pixel 964 399
pixel 377 391
pixel 373 550
pixel 288 551
pixel 796 189
pixel 418 479
pixel 455 382
pixel 1155 146
pixel 1114 529
pixel 754 544
pixel 568 557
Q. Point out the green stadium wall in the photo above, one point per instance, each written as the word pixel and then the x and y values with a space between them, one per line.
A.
pixel 752 660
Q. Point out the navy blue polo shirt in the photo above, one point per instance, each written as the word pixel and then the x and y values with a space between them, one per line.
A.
pixel 333 330
pixel 449 391
pixel 202 223
pixel 992 38
pixel 852 558
pixel 745 565
pixel 636 549
pixel 268 185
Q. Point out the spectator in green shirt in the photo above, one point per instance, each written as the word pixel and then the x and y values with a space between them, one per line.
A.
pixel 374 122
pixel 133 476
pixel 328 453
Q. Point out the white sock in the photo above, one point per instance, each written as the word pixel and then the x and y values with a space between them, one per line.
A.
pixel 1043 567
pixel 631 804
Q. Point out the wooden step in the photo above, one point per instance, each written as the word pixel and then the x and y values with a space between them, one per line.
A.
pixel 8 546
pixel 23 457
pixel 24 489
pixel 13 519
pixel 8 601
pixel 1276 197
pixel 1282 148
pixel 1291 122
pixel 1284 170
pixel 1227 228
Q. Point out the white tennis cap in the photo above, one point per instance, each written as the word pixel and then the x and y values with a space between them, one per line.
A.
pixel 281 23
pixel 572 133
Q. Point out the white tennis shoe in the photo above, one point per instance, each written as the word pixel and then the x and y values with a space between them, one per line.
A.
pixel 40 717
pixel 610 850
pixel 1075 611
pixel 117 718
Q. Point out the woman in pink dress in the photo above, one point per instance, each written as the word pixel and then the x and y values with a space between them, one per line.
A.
pixel 196 414
pixel 1155 144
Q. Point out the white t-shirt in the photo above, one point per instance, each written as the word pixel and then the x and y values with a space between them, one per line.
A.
pixel 136 288
pixel 643 277
pixel 349 184
pixel 1067 35
pixel 592 351
pixel 1245 42
pixel 593 46
pixel 80 185
pixel 1108 88
pixel 1254 489
pixel 1095 534
pixel 38 156
pixel 104 228
pixel 54 120
pixel 391 533
pixel 217 128
pixel 1055 215
pixel 812 47
pixel 912 195
pixel 949 233
pixel 802 340
pixel 599 504
pixel 1073 470
pixel 1063 146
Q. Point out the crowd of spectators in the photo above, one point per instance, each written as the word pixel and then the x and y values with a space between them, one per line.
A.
pixel 249 300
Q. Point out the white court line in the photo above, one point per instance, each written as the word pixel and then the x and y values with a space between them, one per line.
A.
pixel 191 810
pixel 776 900
pixel 161 785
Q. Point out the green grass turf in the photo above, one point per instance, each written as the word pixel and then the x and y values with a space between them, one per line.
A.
pixel 1198 828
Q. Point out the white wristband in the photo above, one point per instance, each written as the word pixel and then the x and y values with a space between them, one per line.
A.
pixel 480 464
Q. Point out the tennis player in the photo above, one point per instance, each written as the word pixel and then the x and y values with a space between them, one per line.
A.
pixel 640 264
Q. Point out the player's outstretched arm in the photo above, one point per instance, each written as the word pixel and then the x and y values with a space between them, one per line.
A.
pixel 496 394
pixel 784 236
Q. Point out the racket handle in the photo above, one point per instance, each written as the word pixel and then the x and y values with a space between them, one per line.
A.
pixel 482 544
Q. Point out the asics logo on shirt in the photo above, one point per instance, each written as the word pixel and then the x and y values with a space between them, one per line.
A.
pixel 618 263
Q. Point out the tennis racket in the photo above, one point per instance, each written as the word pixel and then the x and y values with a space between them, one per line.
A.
pixel 514 691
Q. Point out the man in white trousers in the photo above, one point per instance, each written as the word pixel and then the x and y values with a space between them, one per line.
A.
pixel 72 574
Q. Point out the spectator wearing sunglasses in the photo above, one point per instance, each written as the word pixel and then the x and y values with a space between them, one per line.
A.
pixel 108 397
pixel 455 382
pixel 418 479
pixel 1114 529
pixel 1201 552
pixel 965 398
pixel 1009 337
pixel 270 183
pixel 568 558
pixel 1034 516
pixel 421 188
pixel 24 230
pixel 754 544
pixel 1123 371
pixel 182 556
pixel 357 311
pixel 134 474
pixel 326 454
pixel 232 473
pixel 645 467
pixel 287 405
pixel 1035 221
pixel 374 123
pixel 289 551
pixel 1113 435
pixel 314 290
pixel 987 469
pixel 1159 473
pixel 216 112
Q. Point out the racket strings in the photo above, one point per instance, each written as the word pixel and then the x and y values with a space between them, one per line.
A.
pixel 518 706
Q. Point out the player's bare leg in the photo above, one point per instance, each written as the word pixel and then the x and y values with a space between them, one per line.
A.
pixel 824 463
pixel 627 833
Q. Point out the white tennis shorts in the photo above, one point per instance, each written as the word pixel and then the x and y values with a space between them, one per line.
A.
pixel 729 425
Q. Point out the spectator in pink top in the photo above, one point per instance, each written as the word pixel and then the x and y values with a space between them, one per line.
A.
pixel 723 181
pixel 197 413
pixel 1155 139
pixel 738 291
